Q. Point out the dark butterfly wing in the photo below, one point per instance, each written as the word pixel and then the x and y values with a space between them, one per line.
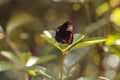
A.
pixel 64 33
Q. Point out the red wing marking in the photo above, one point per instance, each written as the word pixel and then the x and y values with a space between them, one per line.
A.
pixel 70 40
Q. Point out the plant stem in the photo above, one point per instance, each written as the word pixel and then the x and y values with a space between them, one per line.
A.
pixel 101 67
pixel 10 44
pixel 26 77
pixel 12 47
pixel 62 67
pixel 15 50
pixel 88 14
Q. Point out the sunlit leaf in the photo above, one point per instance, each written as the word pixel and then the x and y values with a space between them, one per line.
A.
pixel 11 56
pixel 77 43
pixel 39 70
pixel 51 41
pixel 28 59
pixel 115 16
pixel 113 43
pixel 25 57
pixel 88 42
pixel 105 7
pixel 111 38
pixel 50 37
pixel 32 60
pixel 17 21
pixel 50 33
pixel 5 66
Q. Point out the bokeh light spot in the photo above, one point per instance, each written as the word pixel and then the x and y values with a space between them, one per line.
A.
pixel 115 16
pixel 76 7
pixel 113 61
pixel 1 36
pixel 117 42
pixel 47 34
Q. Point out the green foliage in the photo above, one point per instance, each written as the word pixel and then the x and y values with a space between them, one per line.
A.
pixel 112 42
pixel 25 57
pixel 105 7
pixel 87 58
pixel 5 66
pixel 115 17
pixel 75 56
pixel 11 56
pixel 77 43
pixel 49 57
pixel 93 78
pixel 92 27
pixel 39 70
pixel 88 42
pixel 39 77
pixel 42 72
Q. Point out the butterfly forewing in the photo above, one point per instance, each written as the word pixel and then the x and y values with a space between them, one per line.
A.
pixel 64 33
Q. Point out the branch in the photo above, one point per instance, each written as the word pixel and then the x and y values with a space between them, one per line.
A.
pixel 9 42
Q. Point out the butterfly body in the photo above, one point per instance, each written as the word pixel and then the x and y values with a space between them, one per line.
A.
pixel 64 33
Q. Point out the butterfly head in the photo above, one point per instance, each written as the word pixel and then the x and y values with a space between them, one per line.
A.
pixel 67 26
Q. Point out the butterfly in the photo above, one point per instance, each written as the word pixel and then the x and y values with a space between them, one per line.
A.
pixel 64 33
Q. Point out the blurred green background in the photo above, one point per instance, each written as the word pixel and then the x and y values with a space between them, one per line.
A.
pixel 24 20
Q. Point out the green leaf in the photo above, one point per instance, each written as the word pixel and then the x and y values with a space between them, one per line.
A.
pixel 115 16
pixel 105 7
pixel 92 78
pixel 77 43
pixel 113 43
pixel 87 42
pixel 52 55
pixel 39 70
pixel 49 33
pixel 10 56
pixel 50 37
pixel 25 57
pixel 17 21
pixel 51 41
pixel 95 26
pixel 75 56
pixel 111 38
pixel 47 58
pixel 32 61
pixel 5 66
pixel 40 77
pixel 77 37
